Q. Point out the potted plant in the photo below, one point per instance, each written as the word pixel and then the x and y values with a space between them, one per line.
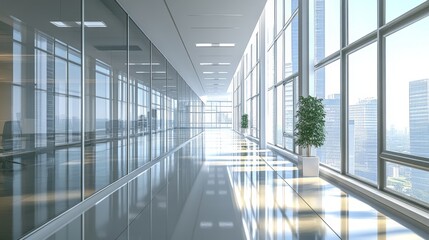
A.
pixel 244 122
pixel 310 132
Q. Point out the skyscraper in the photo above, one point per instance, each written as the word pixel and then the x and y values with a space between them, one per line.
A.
pixel 419 133
pixel 364 115
pixel 319 46
pixel 419 117
pixel 330 153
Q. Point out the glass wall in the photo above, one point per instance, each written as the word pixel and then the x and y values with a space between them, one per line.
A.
pixel 375 61
pixel 40 113
pixel 105 97
pixel 140 85
pixel 61 122
pixel 281 72
pixel 407 109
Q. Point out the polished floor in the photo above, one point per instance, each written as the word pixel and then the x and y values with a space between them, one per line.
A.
pixel 221 186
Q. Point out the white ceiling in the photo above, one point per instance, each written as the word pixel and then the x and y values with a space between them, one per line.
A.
pixel 175 26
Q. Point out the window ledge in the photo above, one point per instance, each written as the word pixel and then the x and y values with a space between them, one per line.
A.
pixel 414 215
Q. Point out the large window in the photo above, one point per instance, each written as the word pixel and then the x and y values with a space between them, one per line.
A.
pixel 362 107
pixel 327 27
pixel 327 86
pixel 407 90
pixel 218 114
pixel 408 181
pixel 289 115
pixel 279 113
pixel 281 67
pixel 407 108
pixel 372 76
pixel 393 9
pixel 360 26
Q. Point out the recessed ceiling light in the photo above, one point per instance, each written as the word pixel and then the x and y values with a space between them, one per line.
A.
pixel 215 78
pixel 215 28
pixel 156 72
pixel 208 72
pixel 215 44
pixel 216 15
pixel 215 64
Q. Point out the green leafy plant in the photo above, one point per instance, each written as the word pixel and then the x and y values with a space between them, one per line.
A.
pixel 310 126
pixel 244 121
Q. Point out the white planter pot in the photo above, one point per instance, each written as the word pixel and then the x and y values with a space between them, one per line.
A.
pixel 310 166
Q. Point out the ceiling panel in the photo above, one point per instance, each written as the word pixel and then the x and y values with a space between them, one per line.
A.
pixel 175 26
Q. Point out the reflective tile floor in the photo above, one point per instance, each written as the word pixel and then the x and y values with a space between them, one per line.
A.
pixel 235 192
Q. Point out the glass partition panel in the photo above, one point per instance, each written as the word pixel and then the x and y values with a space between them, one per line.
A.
pixel 40 113
pixel 139 69
pixel 159 83
pixel 171 105
pixel 105 94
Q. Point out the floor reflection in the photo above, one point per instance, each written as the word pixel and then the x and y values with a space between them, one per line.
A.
pixel 223 187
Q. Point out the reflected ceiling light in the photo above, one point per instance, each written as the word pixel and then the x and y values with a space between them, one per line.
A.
pixel 206 224
pixel 226 224
pixel 222 72
pixel 143 64
pixel 93 24
pixel 215 44
pixel 60 24
pixel 90 24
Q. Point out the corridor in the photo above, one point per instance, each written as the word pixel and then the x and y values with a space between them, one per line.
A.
pixel 221 186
